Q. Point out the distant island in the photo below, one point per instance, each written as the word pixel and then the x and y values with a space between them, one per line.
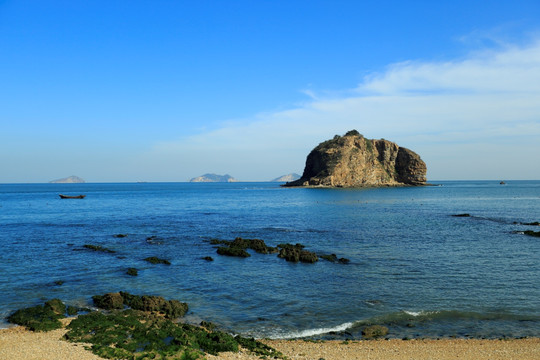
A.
pixel 287 178
pixel 354 161
pixel 68 180
pixel 214 178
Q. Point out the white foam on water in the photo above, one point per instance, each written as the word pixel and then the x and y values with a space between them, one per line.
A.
pixel 419 313
pixel 313 332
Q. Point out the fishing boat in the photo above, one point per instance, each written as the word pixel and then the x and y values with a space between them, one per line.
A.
pixel 71 197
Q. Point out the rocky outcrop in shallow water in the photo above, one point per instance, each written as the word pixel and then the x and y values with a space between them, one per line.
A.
pixel 354 161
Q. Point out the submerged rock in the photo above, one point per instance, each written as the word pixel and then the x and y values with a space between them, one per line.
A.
pixel 532 233
pixel 374 331
pixel 333 258
pixel 132 272
pixel 155 260
pixel 98 248
pixel 462 215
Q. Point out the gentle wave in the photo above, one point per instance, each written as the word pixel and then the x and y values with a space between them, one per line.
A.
pixel 401 318
pixel 312 332
pixel 441 315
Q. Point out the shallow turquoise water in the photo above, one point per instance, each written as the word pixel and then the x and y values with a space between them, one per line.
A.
pixel 414 267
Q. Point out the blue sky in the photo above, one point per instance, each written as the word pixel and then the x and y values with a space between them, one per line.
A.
pixel 169 90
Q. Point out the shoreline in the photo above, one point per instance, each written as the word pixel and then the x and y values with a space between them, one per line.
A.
pixel 18 343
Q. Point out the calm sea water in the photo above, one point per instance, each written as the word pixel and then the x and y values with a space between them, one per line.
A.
pixel 413 267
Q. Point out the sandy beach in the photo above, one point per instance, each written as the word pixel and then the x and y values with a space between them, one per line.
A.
pixel 18 343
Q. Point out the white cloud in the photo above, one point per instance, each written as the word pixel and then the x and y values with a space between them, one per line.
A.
pixel 449 112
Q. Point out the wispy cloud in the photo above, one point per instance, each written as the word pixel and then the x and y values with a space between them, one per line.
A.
pixel 449 112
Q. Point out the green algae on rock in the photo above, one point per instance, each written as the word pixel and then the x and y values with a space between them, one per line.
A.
pixel 41 317
pixel 134 334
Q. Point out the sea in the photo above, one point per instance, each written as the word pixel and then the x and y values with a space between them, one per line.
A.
pixel 413 266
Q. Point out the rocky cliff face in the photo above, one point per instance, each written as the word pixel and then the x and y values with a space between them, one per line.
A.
pixel 354 161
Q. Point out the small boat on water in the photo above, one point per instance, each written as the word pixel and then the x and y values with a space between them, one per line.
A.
pixel 71 197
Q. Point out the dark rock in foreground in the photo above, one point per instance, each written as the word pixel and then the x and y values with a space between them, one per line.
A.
pixel 354 161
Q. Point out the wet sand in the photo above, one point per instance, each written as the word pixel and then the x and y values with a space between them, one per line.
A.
pixel 18 343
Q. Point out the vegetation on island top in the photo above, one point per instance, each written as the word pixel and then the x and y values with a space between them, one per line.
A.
pixel 138 327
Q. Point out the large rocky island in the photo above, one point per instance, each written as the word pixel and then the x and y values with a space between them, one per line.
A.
pixel 354 161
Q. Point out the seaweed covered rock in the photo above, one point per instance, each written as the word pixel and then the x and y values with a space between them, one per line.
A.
pixel 41 317
pixel 109 301
pixel 169 308
pixel 296 253
pixel 232 251
pixel 238 247
pixel 131 334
